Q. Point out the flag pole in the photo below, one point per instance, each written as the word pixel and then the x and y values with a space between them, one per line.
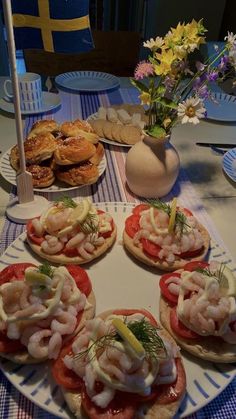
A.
pixel 18 210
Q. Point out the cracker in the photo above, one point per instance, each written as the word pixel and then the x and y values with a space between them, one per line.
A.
pixel 97 125
pixel 130 134
pixel 107 130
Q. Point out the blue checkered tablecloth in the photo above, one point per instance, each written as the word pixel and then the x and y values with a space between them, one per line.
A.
pixel 111 187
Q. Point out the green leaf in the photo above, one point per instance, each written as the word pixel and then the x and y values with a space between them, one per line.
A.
pixel 156 131
pixel 140 86
pixel 168 103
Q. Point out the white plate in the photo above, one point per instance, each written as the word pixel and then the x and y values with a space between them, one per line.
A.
pixel 105 140
pixel 9 175
pixel 87 81
pixel 229 163
pixel 222 109
pixel 116 285
pixel 50 101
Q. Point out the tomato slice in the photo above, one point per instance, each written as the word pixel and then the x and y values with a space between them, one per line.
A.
pixel 81 278
pixel 139 208
pixel 9 345
pixel 132 225
pixel 120 407
pixel 62 375
pixel 164 287
pixel 129 312
pixel 14 272
pixel 150 248
pixel 70 252
pixel 179 328
pixel 168 393
pixel 31 234
pixel 190 253
pixel 192 266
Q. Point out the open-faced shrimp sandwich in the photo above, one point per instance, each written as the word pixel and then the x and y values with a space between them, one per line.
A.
pixel 165 236
pixel 71 232
pixel 198 307
pixel 41 307
pixel 122 363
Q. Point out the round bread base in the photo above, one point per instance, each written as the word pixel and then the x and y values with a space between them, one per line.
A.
pixel 208 348
pixel 162 264
pixel 146 410
pixel 23 357
pixel 78 260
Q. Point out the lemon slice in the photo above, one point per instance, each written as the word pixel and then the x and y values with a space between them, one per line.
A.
pixel 80 212
pixel 36 277
pixel 172 216
pixel 129 337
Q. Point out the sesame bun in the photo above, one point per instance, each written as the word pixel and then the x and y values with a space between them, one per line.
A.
pixel 23 357
pixel 151 410
pixel 62 259
pixel 163 265
pixel 209 348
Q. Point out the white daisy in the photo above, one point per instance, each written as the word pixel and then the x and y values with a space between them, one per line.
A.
pixel 230 39
pixel 191 110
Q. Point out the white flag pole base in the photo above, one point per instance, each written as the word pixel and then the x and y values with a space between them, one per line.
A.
pixel 21 213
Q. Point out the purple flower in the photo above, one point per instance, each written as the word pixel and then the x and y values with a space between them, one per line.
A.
pixel 143 69
pixel 202 91
pixel 212 75
pixel 223 62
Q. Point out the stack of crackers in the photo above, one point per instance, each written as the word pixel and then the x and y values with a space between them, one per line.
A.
pixel 120 123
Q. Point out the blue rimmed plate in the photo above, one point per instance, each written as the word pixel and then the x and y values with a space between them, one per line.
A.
pixel 87 81
pixel 205 380
pixel 222 107
pixel 229 163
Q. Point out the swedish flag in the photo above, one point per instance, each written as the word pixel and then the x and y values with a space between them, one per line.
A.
pixel 52 25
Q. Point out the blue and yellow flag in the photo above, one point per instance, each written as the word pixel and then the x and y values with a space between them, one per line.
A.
pixel 52 25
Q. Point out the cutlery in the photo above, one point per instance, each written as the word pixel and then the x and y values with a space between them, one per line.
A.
pixel 219 145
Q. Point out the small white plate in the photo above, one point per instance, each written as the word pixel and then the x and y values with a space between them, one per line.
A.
pixel 9 174
pixel 229 163
pixel 222 108
pixel 116 284
pixel 87 81
pixel 105 140
pixel 50 101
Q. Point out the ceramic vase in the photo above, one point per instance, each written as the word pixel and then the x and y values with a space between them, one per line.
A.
pixel 152 166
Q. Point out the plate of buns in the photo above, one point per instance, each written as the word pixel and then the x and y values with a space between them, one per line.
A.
pixel 125 289
pixel 119 125
pixel 59 157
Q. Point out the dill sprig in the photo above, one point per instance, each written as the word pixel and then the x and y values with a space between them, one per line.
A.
pixel 90 224
pixel 218 274
pixel 180 218
pixel 144 331
pixel 67 201
pixel 46 269
pixel 147 334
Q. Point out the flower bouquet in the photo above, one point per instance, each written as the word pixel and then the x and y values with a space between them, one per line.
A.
pixel 171 90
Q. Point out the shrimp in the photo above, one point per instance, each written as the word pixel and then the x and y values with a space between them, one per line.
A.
pixel 64 324
pixel 54 345
pixel 38 227
pixel 38 344
pixel 110 368
pixel 53 248
pixel 13 331
pixel 76 240
pixel 27 333
pixel 24 297
pixel 58 220
pixel 11 293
